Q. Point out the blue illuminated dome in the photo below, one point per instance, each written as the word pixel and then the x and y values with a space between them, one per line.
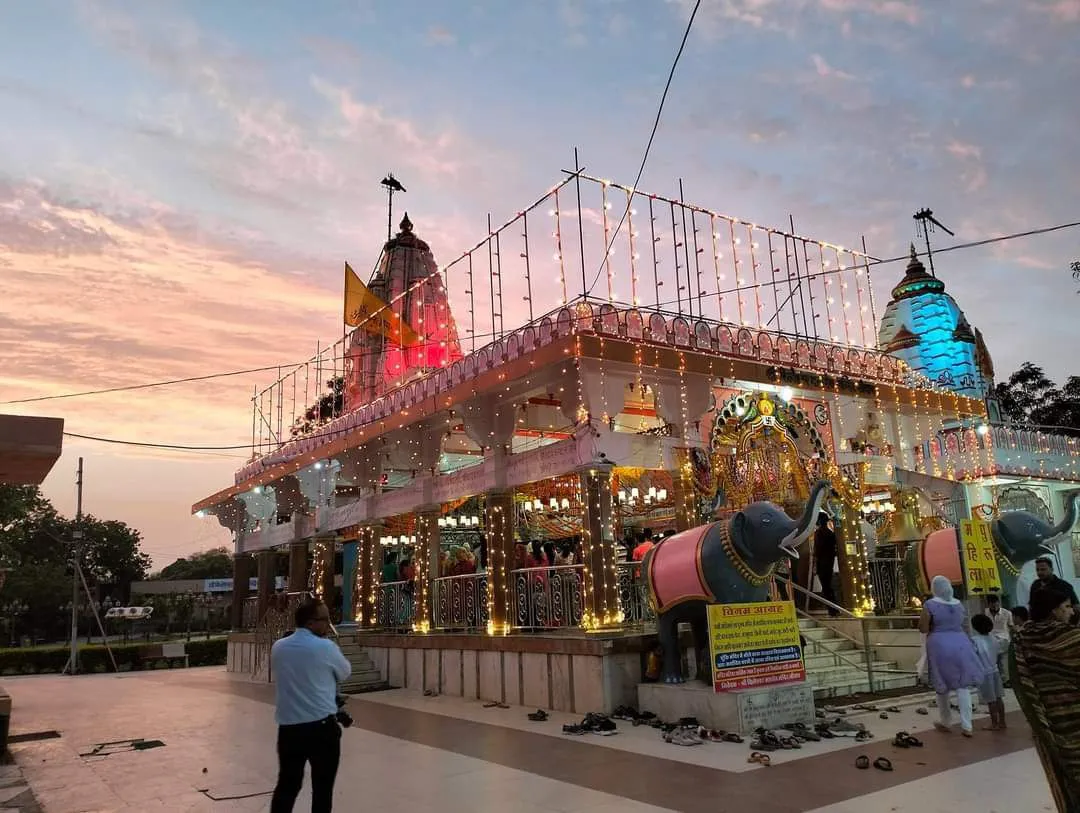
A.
pixel 925 328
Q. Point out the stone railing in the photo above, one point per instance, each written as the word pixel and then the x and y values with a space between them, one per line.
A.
pixel 461 602
pixel 548 597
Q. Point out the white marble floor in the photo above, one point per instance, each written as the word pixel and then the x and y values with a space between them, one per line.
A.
pixel 219 742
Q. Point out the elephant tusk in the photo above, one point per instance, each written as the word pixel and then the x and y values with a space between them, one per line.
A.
pixel 794 554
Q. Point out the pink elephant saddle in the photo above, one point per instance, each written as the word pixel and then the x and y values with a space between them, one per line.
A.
pixel 674 568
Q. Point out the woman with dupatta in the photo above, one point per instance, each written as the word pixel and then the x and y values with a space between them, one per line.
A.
pixel 1045 668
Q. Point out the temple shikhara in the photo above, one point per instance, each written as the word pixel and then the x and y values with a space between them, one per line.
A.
pixel 492 476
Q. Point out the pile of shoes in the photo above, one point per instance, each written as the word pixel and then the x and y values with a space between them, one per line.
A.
pixel 592 723
pixel 635 717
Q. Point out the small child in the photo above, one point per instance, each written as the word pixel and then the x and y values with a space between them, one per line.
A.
pixel 1019 616
pixel 991 689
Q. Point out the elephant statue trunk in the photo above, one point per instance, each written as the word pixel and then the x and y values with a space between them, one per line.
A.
pixel 1072 509
pixel 790 543
pixel 725 562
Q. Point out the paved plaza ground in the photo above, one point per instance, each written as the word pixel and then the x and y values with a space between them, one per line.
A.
pixel 409 752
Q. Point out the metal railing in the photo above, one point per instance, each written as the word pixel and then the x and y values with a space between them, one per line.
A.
pixel 548 597
pixel 889 588
pixel 461 602
pixel 394 605
pixel 249 613
pixel 633 595
pixel 866 623
pixel 278 619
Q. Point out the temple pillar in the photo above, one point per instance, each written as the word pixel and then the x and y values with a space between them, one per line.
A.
pixel 350 561
pixel 682 486
pixel 499 527
pixel 267 578
pixel 427 567
pixel 368 577
pixel 241 588
pixel 298 575
pixel 322 568
pixel 601 588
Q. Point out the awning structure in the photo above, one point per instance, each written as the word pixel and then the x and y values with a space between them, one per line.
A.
pixel 29 448
pixel 937 487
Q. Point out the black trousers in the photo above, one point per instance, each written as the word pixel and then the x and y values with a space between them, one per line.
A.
pixel 825 576
pixel 318 743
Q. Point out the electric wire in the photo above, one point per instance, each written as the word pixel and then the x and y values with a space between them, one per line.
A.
pixel 648 146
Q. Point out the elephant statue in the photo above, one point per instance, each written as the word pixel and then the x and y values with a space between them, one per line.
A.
pixel 728 562
pixel 1019 537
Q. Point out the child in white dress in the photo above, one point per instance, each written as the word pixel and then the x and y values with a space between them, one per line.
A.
pixel 991 688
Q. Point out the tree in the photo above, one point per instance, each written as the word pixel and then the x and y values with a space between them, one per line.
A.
pixel 1030 398
pixel 209 564
pixel 35 546
pixel 328 407
pixel 1075 268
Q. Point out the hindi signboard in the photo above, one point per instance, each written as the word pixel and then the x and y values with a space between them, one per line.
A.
pixel 754 645
pixel 981 573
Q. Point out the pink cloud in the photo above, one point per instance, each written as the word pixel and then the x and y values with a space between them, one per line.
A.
pixel 438 35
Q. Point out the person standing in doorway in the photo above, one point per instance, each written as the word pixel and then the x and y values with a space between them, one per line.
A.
pixel 307 668
pixel 825 558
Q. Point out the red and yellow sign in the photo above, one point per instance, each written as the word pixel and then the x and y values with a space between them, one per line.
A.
pixel 981 573
pixel 755 645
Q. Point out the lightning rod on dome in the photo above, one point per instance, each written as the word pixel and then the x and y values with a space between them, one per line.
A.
pixel 925 222
pixel 392 185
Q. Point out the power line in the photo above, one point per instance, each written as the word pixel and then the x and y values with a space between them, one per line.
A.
pixel 648 147
pixel 901 258
pixel 210 376
pixel 172 446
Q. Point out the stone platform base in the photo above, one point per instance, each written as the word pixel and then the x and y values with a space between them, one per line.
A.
pixel 741 711
pixel 577 673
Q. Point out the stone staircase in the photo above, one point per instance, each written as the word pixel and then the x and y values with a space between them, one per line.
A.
pixel 365 675
pixel 835 666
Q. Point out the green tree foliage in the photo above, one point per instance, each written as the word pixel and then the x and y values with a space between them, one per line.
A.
pixel 1075 268
pixel 328 407
pixel 210 564
pixel 1030 398
pixel 35 548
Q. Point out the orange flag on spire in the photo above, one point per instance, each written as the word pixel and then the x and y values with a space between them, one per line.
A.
pixel 364 309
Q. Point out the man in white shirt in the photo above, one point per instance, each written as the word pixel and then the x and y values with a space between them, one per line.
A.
pixel 306 668
pixel 1002 632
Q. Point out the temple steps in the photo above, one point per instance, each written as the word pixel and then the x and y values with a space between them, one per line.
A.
pixel 365 676
pixel 835 665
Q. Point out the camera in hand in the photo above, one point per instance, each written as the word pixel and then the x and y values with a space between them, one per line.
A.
pixel 343 717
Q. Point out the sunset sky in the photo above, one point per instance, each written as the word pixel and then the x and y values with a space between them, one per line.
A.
pixel 180 181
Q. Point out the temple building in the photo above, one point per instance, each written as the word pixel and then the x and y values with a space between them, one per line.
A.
pixel 479 518
pixel 925 328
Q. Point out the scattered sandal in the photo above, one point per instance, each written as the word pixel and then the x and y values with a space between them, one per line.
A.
pixel 538 716
pixel 862 762
pixel 883 716
pixel 495 704
pixel 907 740
pixel 764 760
pixel 921 710
pixel 883 764
pixel 892 709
